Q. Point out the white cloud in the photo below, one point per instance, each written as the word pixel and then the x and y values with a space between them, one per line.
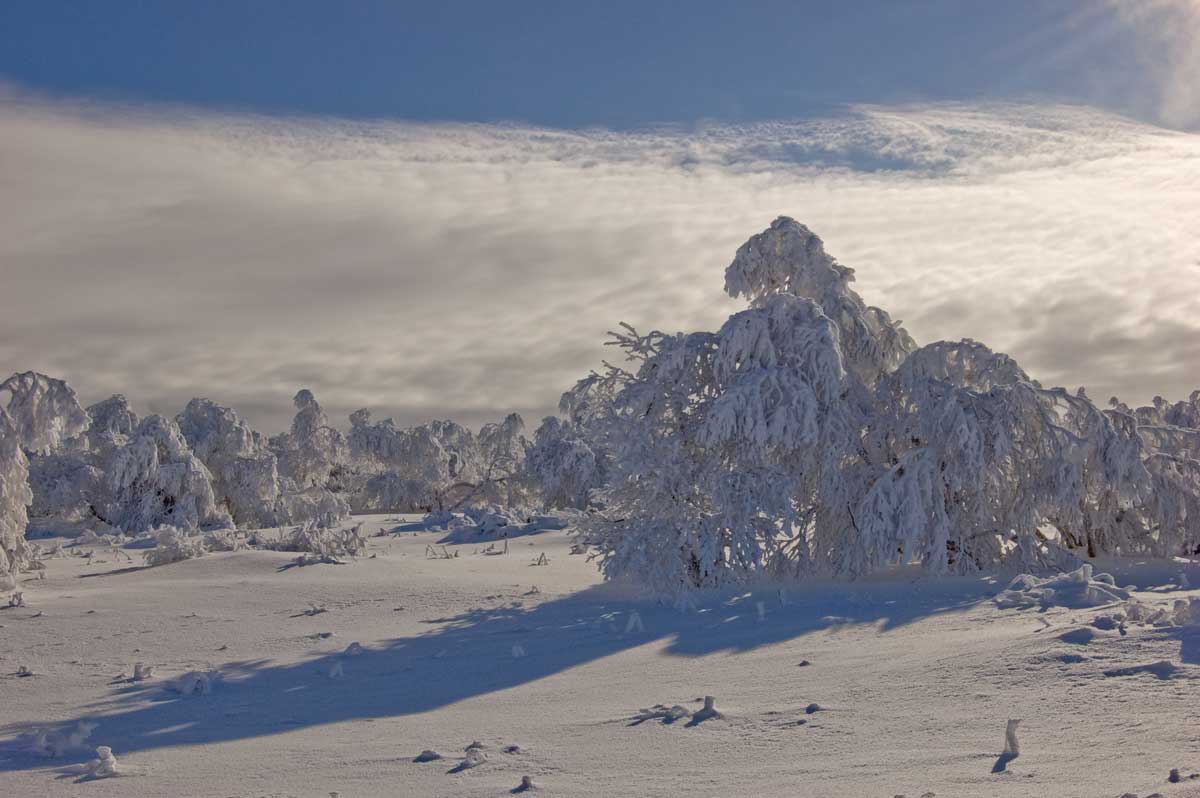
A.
pixel 463 271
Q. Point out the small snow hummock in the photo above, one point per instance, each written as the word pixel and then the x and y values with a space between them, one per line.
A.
pixel 56 742
pixel 526 785
pixel 1076 589
pixel 193 683
pixel 474 758
pixel 104 765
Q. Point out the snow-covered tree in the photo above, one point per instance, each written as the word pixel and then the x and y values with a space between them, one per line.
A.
pixel 810 434
pixel 44 410
pixel 155 480
pixel 434 466
pixel 245 477
pixel 15 496
pixel 311 451
pixel 38 415
pixel 67 480
pixel 563 466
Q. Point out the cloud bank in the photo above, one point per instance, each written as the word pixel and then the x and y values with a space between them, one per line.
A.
pixel 463 271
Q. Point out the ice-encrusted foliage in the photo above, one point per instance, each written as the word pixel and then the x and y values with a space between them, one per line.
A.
pixel 246 478
pixel 155 480
pixel 406 470
pixel 327 543
pixel 67 482
pixel 312 450
pixel 113 416
pixel 788 258
pixel 810 434
pixel 434 466
pixel 1169 514
pixel 14 497
pixel 44 411
pixel 175 545
pixel 717 440
pixel 563 466
pixel 979 459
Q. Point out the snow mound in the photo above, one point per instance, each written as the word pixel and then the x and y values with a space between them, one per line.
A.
pixel 482 525
pixel 1076 589
pixel 1181 612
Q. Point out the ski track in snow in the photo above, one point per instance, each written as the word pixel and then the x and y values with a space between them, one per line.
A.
pixel 915 680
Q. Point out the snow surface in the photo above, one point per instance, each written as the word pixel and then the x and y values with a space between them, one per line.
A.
pixel 914 681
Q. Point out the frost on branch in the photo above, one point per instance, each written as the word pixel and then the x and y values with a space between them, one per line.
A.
pixel 811 435
pixel 563 465
pixel 15 495
pixel 328 544
pixel 245 477
pixel 155 480
pixel 438 465
pixel 312 450
pixel 719 442
pixel 174 545
pixel 788 258
pixel 38 414
pixel 45 411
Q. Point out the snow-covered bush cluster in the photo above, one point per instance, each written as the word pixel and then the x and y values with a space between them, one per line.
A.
pixel 434 466
pixel 173 545
pixel 1076 589
pixel 103 472
pixel 329 544
pixel 811 434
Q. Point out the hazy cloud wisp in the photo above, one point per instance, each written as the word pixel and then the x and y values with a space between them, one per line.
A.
pixel 463 271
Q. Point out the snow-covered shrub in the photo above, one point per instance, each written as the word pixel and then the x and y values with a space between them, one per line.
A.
pixel 391 492
pixel 194 683
pixel 328 544
pixel 104 765
pixel 1078 589
pixel 224 540
pixel 175 545
pixel 56 742
pixel 318 507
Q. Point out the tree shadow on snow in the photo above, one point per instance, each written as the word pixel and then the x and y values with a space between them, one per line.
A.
pixel 475 653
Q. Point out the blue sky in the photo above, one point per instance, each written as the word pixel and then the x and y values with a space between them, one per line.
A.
pixel 569 64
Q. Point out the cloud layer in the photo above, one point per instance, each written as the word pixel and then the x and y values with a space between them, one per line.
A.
pixel 464 271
